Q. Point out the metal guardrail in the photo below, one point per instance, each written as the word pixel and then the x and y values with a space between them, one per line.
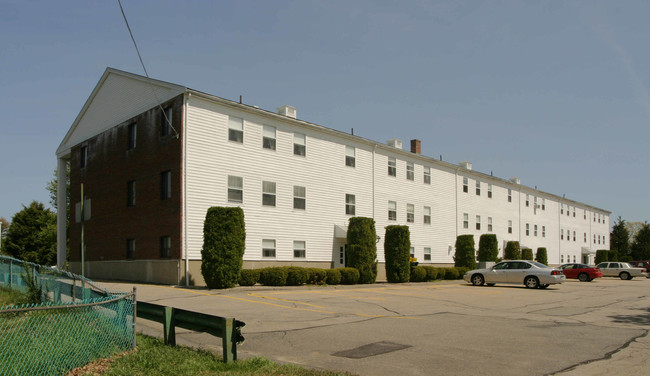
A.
pixel 228 329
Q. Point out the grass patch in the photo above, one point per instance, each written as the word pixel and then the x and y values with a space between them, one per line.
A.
pixel 12 297
pixel 153 358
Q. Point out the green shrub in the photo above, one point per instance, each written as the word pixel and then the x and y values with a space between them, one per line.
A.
pixel 527 254
pixel 333 276
pixel 612 255
pixel 450 273
pixel 249 277
pixel 362 248
pixel 512 251
pixel 317 276
pixel 397 251
pixel 488 247
pixel 465 253
pixel 224 241
pixel 461 271
pixel 276 276
pixel 541 256
pixel 432 272
pixel 296 276
pixel 418 274
pixel 602 255
pixel 349 276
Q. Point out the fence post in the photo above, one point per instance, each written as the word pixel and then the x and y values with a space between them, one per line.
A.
pixel 228 325
pixel 11 273
pixel 135 314
pixel 169 326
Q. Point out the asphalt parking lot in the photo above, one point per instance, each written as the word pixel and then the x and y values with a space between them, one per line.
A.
pixel 438 328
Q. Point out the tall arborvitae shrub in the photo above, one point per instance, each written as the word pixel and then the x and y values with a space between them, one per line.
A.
pixel 488 247
pixel 512 251
pixel 602 255
pixel 612 255
pixel 542 256
pixel 224 241
pixel 362 248
pixel 397 252
pixel 527 254
pixel 465 252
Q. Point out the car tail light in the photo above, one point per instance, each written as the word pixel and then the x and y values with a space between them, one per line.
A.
pixel 555 272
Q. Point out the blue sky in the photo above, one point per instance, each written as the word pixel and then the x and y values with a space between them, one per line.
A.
pixel 553 92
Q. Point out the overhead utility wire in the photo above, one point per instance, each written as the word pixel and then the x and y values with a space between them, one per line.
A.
pixel 169 122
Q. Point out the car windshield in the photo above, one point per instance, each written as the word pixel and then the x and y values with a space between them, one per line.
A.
pixel 539 264
pixel 625 265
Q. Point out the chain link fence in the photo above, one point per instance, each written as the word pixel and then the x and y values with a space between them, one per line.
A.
pixel 77 322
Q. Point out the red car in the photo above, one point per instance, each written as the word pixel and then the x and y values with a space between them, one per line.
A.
pixel 641 264
pixel 584 273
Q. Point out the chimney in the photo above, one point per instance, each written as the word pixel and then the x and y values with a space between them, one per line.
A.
pixel 415 146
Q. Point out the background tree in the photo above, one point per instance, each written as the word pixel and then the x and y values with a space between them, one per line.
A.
pixel 52 187
pixel 512 251
pixel 465 255
pixel 602 255
pixel 32 235
pixel 397 252
pixel 224 242
pixel 640 249
pixel 488 247
pixel 632 229
pixel 4 227
pixel 362 248
pixel 619 239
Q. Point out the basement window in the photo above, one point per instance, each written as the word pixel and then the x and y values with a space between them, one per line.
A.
pixel 268 248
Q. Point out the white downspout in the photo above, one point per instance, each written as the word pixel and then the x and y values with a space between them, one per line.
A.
pixel 183 187
pixel 61 214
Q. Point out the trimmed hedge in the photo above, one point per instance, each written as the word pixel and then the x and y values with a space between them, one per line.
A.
pixel 465 253
pixel 362 248
pixel 541 256
pixel 418 274
pixel 450 273
pixel 333 276
pixel 224 241
pixel 512 251
pixel 249 277
pixel 527 254
pixel 397 251
pixel 602 255
pixel 317 276
pixel 461 271
pixel 349 276
pixel 432 273
pixel 488 247
pixel 296 276
pixel 276 276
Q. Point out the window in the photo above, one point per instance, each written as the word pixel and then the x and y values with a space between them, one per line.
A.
pixel 427 254
pixel 604 239
pixel 83 156
pixel 598 239
pixel 268 247
pixel 465 220
pixel 509 195
pixel 299 143
pixel 562 259
pixel 584 214
pixel 410 171
pixel 535 230
pixel 465 184
pixel 130 193
pixel 268 193
pixel 268 137
pixel 299 197
pixel 509 227
pixel 350 156
pixel 489 224
pixel 392 167
pixel 165 246
pixel 561 208
pixel 130 248
pixel 478 188
pixel 574 212
pixel 349 204
pixel 427 215
pixel 568 209
pixel 299 250
pixel 543 204
pixel 568 235
pixel 527 229
pixel 235 189
pixel 166 185
pixel 235 129
pixel 410 213
pixel 392 210
pixel 478 222
pixel 543 231
pixel 527 200
pixel 535 202
pixel 574 236
pixel 166 122
pixel 489 190
pixel 427 175
pixel 561 234
pixel 133 132
pixel 585 238
pixel 574 258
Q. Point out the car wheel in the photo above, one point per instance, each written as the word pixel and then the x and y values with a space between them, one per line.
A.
pixel 492 284
pixel 478 280
pixel 583 277
pixel 531 282
pixel 625 276
pixel 543 286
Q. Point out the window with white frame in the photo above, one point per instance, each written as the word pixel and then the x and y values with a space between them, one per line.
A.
pixel 465 184
pixel 574 258
pixel 584 214
pixel 268 137
pixel 561 208
pixel 534 230
pixel 574 236
pixel 235 189
pixel 527 200
pixel 235 129
pixel 412 252
pixel 543 204
pixel 509 195
pixel 299 197
pixel 509 227
pixel 427 175
pixel 543 231
pixel 574 212
pixel 350 204
pixel 410 213
pixel 427 215
pixel 562 259
pixel 299 144
pixel 594 238
pixel 568 209
pixel 561 234
pixel 478 222
pixel 299 249
pixel 568 235
pixel 268 193
pixel 478 188
pixel 427 254
pixel 585 238
pixel 489 190
pixel 392 166
pixel 268 248
pixel 410 171
pixel 527 229
pixel 489 224
pixel 465 220
pixel 392 210
pixel 350 156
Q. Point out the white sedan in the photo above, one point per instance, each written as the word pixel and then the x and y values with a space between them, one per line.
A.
pixel 623 270
pixel 529 273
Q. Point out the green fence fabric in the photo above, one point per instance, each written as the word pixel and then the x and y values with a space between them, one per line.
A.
pixel 79 323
